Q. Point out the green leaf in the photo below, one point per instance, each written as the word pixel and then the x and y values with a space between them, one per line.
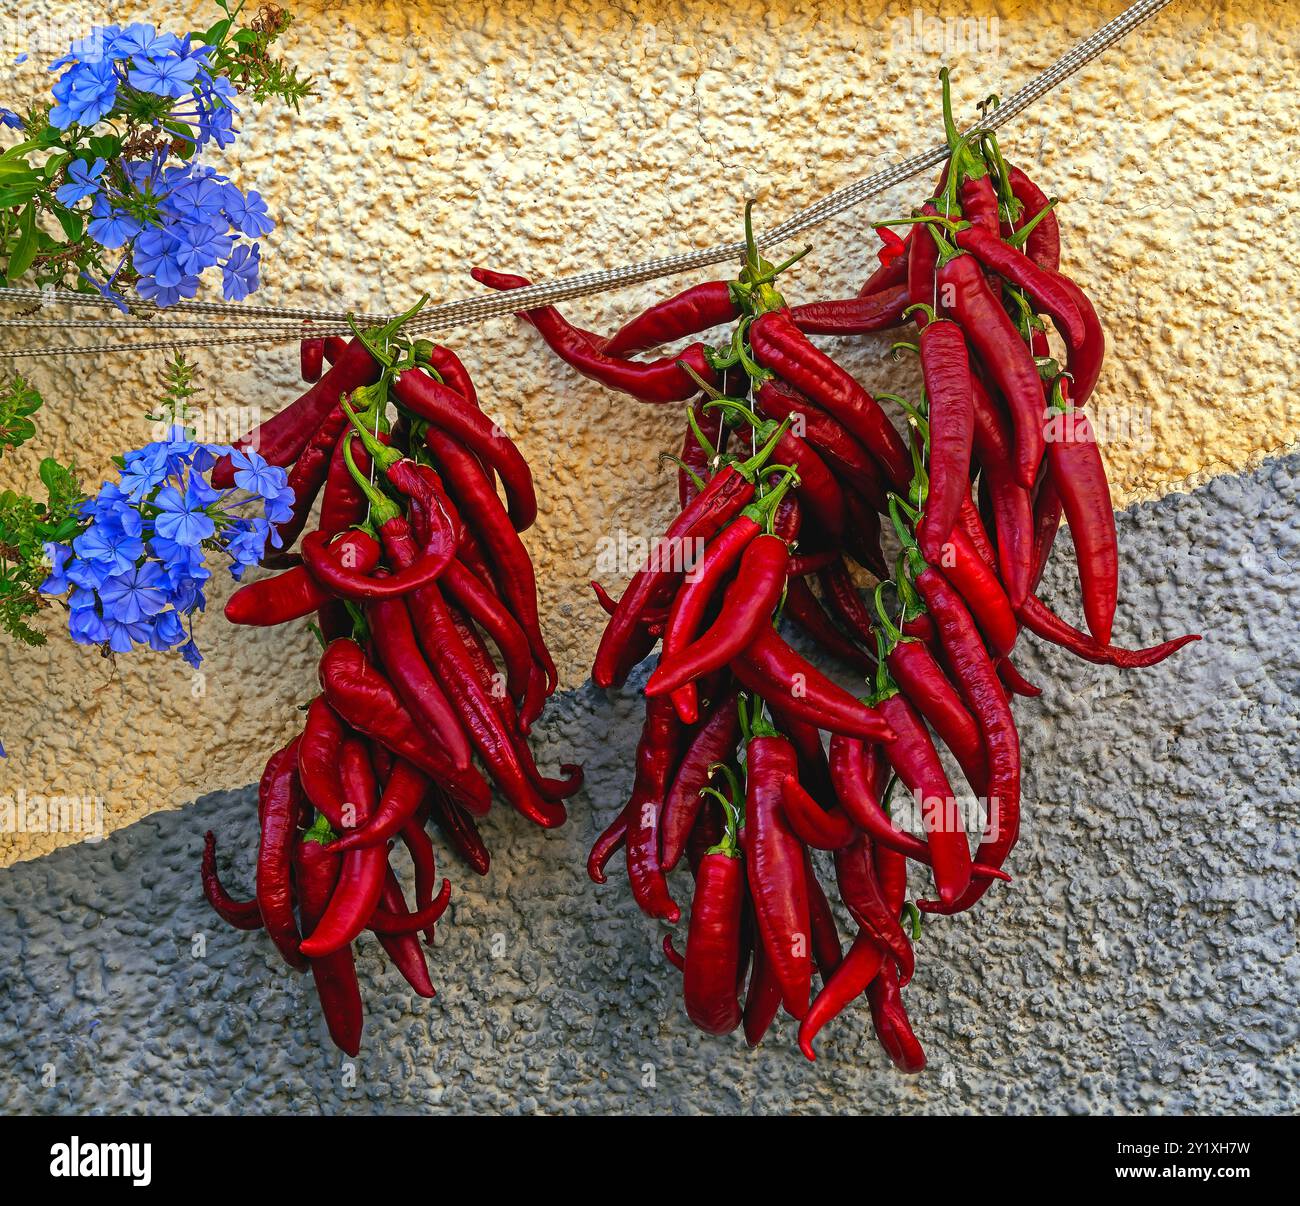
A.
pixel 215 34
pixel 12 196
pixel 245 36
pixel 24 251
pixel 56 163
pixel 104 146
pixel 74 225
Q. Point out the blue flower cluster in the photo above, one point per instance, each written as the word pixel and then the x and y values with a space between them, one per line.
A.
pixel 136 571
pixel 177 219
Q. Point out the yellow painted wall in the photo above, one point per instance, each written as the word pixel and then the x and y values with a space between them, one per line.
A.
pixel 560 136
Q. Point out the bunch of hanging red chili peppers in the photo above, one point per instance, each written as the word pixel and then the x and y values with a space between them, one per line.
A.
pixel 787 467
pixel 433 671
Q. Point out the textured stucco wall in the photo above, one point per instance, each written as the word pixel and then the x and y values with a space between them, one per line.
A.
pixel 553 136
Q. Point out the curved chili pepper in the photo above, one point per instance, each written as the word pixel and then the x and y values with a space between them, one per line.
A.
pixel 922 265
pixel 465 590
pixel 713 944
pixel 279 806
pixel 713 742
pixel 361 874
pixel 385 922
pixel 417 687
pixel 860 967
pixel 311 359
pixel 746 609
pixel 1012 503
pixel 610 841
pixel 242 914
pixel 763 998
pixel 892 1026
pixel 656 760
pixel 847 459
pixel 347 583
pixel 945 368
pixel 1003 354
pixel 1080 480
pixel 479 503
pixel 448 412
pixel 368 702
pixel 1043 287
pixel 827 953
pixel 774 863
pixel 308 476
pixel 1044 242
pixel 892 270
pixel 804 564
pixel 841 596
pixel 403 794
pixel 1043 622
pixel 802 606
pixel 663 380
pixel 862 535
pixel 458 828
pixel 317 872
pixel 813 825
pixel 1015 682
pixel 283 436
pixel 1084 361
pixel 855 873
pixel 970 662
pixel 403 949
pixel 454 374
pixel 295 593
pixel 344 505
pixel 319 749
pixel 979 204
pixel 979 586
pixel 780 346
pixel 879 310
pixel 1047 523
pixel 771 668
pixel 690 312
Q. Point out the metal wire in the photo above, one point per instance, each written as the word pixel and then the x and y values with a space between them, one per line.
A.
pixel 471 310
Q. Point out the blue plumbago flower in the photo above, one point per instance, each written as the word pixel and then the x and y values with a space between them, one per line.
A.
pixel 167 295
pixel 240 272
pixel 202 245
pixel 85 93
pixel 11 119
pixel 83 181
pixel 144 40
pixel 169 75
pixel 112 228
pixel 93 48
pixel 247 214
pixel 138 567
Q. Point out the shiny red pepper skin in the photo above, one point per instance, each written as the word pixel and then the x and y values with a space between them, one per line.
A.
pixel 417 687
pixel 447 412
pixel 656 760
pixel 914 758
pixel 662 380
pixel 1012 503
pixel 746 609
pixel 345 582
pixel 242 914
pixel 361 874
pixel 1084 361
pixel 774 863
pixel 780 346
pixel 714 741
pixel 690 312
pixel 965 653
pixel 891 1022
pixel 403 794
pixel 860 967
pixel 860 890
pixel 454 374
pixel 819 828
pixel 458 828
pixel 979 587
pixel 1045 623
pixel 1003 354
pixel 279 807
pixel 763 998
pixel 770 667
pixel 841 595
pixel 979 204
pixel 463 588
pixel 827 952
pixel 317 872
pixel 712 966
pixel 308 475
pixel 802 607
pixel 1043 287
pixel 922 264
pixel 892 271
pixel 344 503
pixel 878 311
pixel 295 593
pixel 404 948
pixel 1044 243
pixel 945 367
pixel 283 436
pixel 1080 480
pixel 319 750
pixel 311 359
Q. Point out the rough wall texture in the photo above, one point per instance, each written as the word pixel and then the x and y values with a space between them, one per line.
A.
pixel 1139 963
pixel 1143 962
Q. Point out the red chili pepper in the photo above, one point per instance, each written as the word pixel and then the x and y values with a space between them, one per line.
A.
pixel 295 593
pixel 483 511
pixel 827 952
pixel 842 598
pixel 656 761
pixel 319 750
pixel 847 459
pixel 780 346
pixel 459 829
pixel 891 1022
pixel 283 436
pixel 746 609
pixel 409 673
pixel 279 805
pixel 1015 682
pixel 771 668
pixel 317 872
pixel 970 662
pixel 311 356
pixel 822 829
pixel 1004 355
pixel 713 742
pixel 690 312
pixel 368 702
pixel 877 311
pixel 922 266
pixel 347 583
pixel 860 890
pixel 308 476
pixel 713 944
pixel 1084 361
pixel 1044 622
pixel 694 467
pixel 446 411
pixel 1080 480
pixel 893 263
pixel 404 948
pixel 1044 242
pixel 242 914
pixel 385 921
pixel 1011 502
pixel 763 998
pixel 605 847
pixel 775 867
pixel 454 374
pixel 335 346
pixel 945 367
pixel 403 793
pixel 979 204
pixel 979 586
pixel 361 874
pixel 344 505
pixel 802 607
pixel 481 604
pixel 663 380
pixel 860 967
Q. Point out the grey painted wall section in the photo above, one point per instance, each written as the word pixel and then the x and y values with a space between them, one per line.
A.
pixel 1143 961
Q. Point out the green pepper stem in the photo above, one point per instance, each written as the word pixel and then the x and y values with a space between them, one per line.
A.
pixel 382 509
pixel 893 635
pixel 384 456
pixel 735 404
pixel 748 469
pixel 670 458
pixel 1019 237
